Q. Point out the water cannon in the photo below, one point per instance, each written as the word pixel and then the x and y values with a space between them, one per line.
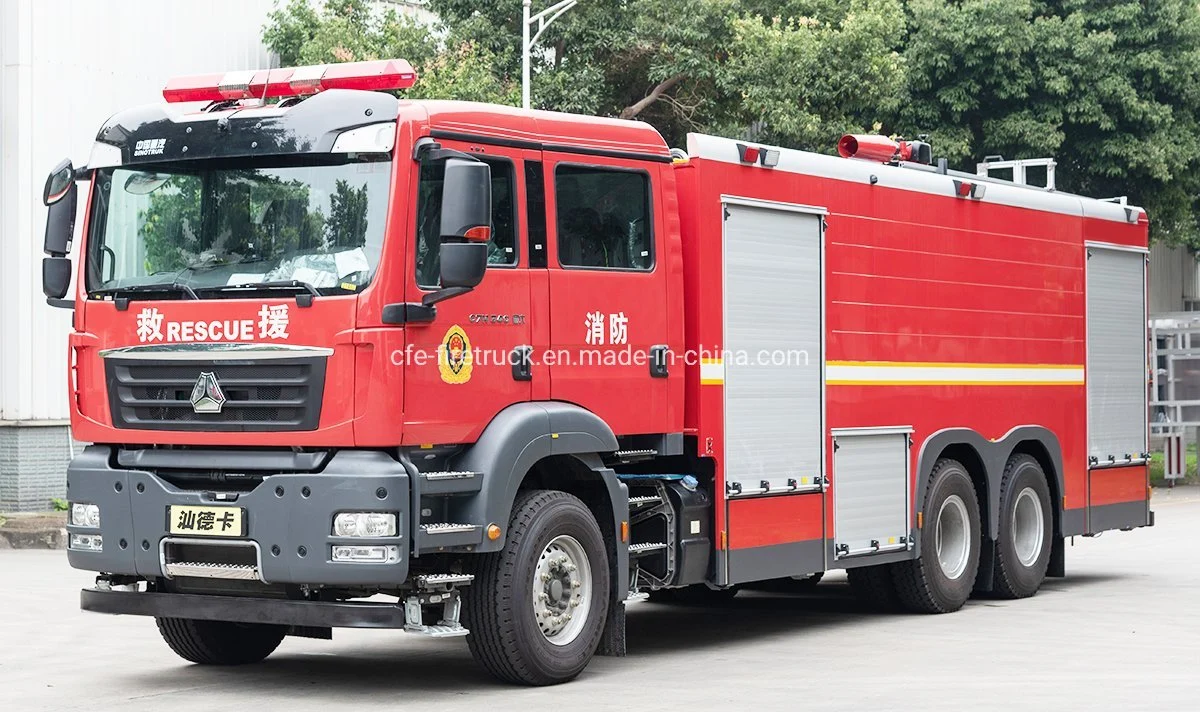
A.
pixel 872 147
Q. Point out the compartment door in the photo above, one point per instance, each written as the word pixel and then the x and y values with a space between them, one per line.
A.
pixel 773 388
pixel 871 491
pixel 1116 388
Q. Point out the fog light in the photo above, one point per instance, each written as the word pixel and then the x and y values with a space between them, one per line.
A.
pixel 367 554
pixel 86 542
pixel 364 524
pixel 85 515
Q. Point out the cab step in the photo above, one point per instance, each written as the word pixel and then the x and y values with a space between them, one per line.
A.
pixel 441 535
pixel 449 625
pixel 627 456
pixel 646 548
pixel 451 482
pixel 431 582
pixel 643 500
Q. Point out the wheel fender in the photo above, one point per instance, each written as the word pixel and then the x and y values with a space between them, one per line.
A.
pixel 993 454
pixel 521 435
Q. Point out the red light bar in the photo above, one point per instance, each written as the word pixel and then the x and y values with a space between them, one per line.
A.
pixel 376 75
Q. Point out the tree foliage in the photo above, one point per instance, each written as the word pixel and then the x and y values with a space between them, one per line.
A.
pixel 1111 88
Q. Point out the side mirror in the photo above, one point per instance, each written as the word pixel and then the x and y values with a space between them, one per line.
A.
pixel 56 277
pixel 60 196
pixel 466 223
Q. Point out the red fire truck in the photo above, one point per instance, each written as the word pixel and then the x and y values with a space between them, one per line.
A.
pixel 354 361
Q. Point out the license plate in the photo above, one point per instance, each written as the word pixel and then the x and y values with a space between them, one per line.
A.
pixel 206 521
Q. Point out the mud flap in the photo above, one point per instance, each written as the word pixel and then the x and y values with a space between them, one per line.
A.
pixel 612 640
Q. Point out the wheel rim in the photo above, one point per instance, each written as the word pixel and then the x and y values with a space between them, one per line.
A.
pixel 562 590
pixel 953 537
pixel 1028 527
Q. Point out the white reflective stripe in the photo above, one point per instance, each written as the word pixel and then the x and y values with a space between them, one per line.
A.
pixel 884 373
pixel 712 372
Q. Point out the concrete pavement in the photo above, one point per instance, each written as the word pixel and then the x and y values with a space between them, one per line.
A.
pixel 1120 633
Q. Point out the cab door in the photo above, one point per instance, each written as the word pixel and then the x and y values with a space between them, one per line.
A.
pixel 459 371
pixel 609 322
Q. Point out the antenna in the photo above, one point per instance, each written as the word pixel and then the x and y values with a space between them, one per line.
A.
pixel 266 84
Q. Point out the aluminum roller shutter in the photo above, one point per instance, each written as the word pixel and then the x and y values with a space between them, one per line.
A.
pixel 1116 355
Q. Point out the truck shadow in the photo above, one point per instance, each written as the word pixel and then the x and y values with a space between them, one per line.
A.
pixel 359 664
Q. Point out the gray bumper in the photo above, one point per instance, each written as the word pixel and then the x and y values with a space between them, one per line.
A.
pixel 133 517
pixel 344 614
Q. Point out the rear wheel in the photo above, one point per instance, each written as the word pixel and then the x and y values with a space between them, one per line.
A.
pixel 537 608
pixel 218 642
pixel 1026 529
pixel 940 581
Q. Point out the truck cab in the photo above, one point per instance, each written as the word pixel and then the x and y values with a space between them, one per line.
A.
pixel 324 345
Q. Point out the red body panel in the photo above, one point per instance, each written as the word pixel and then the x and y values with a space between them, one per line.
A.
pixel 913 278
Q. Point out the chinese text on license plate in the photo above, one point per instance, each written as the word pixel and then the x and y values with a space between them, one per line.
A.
pixel 206 521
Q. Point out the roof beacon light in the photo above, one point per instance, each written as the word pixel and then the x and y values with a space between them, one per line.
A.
pixel 871 147
pixel 377 75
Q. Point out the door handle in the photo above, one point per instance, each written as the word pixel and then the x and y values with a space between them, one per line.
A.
pixel 658 361
pixel 521 359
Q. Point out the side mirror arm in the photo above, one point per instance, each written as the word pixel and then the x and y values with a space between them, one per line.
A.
pixel 427 149
pixel 442 295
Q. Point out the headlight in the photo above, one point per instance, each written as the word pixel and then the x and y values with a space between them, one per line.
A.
pixel 85 515
pixel 86 542
pixel 364 524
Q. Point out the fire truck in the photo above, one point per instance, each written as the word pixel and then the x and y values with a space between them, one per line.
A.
pixel 349 360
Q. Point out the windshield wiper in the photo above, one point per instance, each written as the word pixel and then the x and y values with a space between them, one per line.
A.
pixel 291 284
pixel 147 289
pixel 305 292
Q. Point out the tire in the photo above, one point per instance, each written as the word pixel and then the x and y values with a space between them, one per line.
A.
pixel 874 586
pixel 508 638
pixel 218 642
pixel 940 581
pixel 1026 529
pixel 694 595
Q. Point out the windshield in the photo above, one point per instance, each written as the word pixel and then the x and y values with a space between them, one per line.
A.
pixel 220 224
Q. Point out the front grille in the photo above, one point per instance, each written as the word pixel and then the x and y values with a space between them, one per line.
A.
pixel 271 395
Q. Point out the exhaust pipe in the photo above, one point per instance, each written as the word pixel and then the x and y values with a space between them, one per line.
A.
pixel 871 147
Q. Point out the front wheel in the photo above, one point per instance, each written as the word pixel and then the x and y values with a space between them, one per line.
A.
pixel 941 579
pixel 537 608
pixel 218 642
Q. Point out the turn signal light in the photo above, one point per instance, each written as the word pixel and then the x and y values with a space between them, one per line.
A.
pixel 378 75
pixel 479 233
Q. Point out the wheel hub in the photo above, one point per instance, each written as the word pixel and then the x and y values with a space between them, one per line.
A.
pixel 952 535
pixel 1028 527
pixel 562 585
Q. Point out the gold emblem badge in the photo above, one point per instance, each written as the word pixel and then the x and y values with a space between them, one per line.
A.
pixel 454 356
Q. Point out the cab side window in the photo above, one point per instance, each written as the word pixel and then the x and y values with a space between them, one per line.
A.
pixel 604 219
pixel 502 247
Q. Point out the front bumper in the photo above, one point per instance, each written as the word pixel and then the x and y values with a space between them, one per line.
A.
pixel 289 517
pixel 236 609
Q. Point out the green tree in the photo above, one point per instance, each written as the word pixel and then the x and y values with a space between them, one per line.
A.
pixel 1110 88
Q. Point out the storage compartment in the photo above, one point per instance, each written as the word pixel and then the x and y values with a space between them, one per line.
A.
pixel 871 490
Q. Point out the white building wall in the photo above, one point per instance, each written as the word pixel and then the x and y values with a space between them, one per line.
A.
pixel 65 67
